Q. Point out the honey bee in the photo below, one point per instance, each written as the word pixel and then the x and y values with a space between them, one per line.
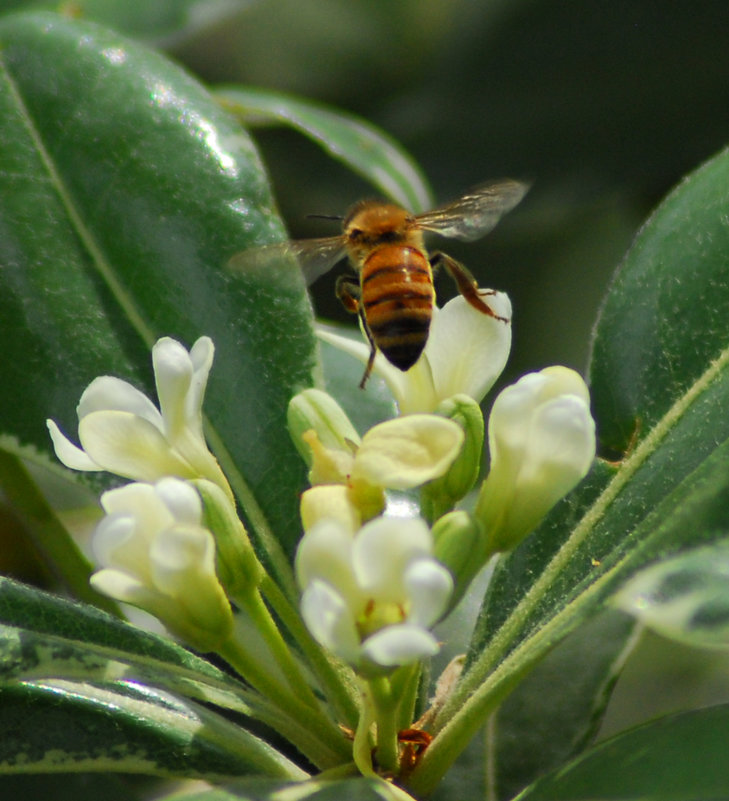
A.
pixel 393 293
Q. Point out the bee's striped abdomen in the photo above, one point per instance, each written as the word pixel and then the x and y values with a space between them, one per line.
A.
pixel 398 296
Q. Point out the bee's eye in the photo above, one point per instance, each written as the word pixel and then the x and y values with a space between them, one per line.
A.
pixel 355 233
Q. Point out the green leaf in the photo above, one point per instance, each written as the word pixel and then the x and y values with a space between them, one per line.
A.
pixel 32 610
pixel 677 758
pixel 126 729
pixel 74 787
pixel 125 190
pixel 46 638
pixel 558 708
pixel 664 319
pixel 29 656
pixel 667 494
pixel 685 598
pixel 365 149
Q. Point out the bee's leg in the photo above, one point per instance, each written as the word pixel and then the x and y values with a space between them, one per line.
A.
pixel 466 284
pixel 350 293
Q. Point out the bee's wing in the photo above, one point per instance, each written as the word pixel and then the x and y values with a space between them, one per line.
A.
pixel 476 213
pixel 314 256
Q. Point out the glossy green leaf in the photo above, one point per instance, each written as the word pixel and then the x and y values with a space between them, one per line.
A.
pixel 77 786
pixel 667 494
pixel 46 638
pixel 32 610
pixel 56 726
pixel 364 148
pixel 665 318
pixel 677 758
pixel 163 22
pixel 29 656
pixel 124 192
pixel 685 598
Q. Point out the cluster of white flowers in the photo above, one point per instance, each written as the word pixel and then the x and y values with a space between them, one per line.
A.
pixel 371 585
pixel 153 550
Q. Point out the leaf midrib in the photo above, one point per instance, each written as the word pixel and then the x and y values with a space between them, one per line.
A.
pixel 245 494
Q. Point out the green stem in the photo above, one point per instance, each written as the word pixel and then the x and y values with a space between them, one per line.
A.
pixel 261 617
pixel 320 730
pixel 386 715
pixel 336 681
pixel 362 749
pixel 259 524
pixel 404 685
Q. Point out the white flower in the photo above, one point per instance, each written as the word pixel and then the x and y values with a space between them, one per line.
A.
pixel 122 431
pixel 465 354
pixel 398 454
pixel 155 554
pixel 541 442
pixel 372 597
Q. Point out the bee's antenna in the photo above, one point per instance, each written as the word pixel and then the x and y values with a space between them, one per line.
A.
pixel 325 217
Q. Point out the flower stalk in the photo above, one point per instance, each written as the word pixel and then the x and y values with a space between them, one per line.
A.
pixel 324 743
pixel 386 716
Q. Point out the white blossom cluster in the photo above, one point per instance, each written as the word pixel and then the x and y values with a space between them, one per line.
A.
pixel 372 587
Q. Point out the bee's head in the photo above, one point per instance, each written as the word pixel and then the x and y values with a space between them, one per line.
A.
pixel 372 222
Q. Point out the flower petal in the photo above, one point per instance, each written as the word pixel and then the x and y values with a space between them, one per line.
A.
pixel 180 554
pixel 429 586
pixel 329 501
pixel 173 377
pixel 123 587
pixel 107 393
pixel 399 645
pixel 325 554
pixel 201 356
pixel 382 551
pixel 467 350
pixel 407 451
pixel 138 500
pixel 563 436
pixel 542 442
pixel 415 383
pixel 112 534
pixel 130 446
pixel 181 499
pixel 68 453
pixel 330 621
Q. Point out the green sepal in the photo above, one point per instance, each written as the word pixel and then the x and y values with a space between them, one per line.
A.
pixel 238 567
pixel 439 496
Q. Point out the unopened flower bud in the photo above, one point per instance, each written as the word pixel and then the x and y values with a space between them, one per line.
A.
pixel 329 502
pixel 459 545
pixel 315 410
pixel 542 443
pixel 237 565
